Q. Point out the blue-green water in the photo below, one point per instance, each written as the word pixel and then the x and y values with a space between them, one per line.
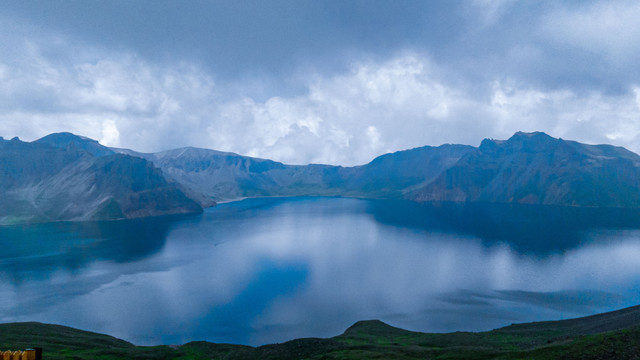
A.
pixel 269 270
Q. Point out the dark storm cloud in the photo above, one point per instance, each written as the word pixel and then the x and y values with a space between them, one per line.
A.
pixel 233 38
pixel 319 81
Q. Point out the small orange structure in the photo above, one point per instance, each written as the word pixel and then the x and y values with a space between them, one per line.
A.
pixel 29 354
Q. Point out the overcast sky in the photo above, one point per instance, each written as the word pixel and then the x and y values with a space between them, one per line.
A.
pixel 336 82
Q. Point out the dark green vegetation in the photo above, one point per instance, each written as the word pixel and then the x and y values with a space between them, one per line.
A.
pixel 614 335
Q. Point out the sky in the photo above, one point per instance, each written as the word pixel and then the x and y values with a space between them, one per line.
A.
pixel 323 81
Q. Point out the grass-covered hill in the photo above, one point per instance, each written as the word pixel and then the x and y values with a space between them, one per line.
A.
pixel 613 335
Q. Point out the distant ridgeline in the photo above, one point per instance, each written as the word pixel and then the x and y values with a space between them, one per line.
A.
pixel 67 177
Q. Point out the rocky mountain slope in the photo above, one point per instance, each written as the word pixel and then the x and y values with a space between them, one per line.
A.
pixel 63 177
pixel 227 176
pixel 528 168
pixel 68 177
pixel 535 168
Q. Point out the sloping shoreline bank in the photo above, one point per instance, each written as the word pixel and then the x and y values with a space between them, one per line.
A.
pixel 611 335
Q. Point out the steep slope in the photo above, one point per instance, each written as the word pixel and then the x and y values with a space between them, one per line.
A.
pixel 216 175
pixel 65 139
pixel 64 177
pixel 392 175
pixel 534 168
pixel 42 182
pixel 227 176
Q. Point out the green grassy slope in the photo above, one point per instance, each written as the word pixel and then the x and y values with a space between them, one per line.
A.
pixel 614 335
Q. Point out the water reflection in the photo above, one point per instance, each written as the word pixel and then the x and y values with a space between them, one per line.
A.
pixel 526 228
pixel 32 251
pixel 268 270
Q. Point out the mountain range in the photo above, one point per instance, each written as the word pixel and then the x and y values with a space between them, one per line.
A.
pixel 221 176
pixel 68 177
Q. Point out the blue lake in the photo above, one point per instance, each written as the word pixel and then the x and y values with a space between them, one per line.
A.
pixel 269 270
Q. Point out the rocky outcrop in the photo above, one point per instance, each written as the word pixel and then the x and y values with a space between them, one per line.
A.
pixel 227 176
pixel 535 168
pixel 68 177
pixel 42 182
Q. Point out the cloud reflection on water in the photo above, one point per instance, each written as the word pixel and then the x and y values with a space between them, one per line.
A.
pixel 268 270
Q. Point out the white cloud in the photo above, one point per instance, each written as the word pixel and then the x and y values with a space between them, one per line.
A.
pixel 118 99
pixel 610 28
pixel 345 119
pixel 405 101
pixel 592 118
pixel 110 133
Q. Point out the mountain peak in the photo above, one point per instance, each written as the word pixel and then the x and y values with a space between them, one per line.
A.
pixel 374 327
pixel 520 137
pixel 535 168
pixel 66 139
pixel 530 134
pixel 533 141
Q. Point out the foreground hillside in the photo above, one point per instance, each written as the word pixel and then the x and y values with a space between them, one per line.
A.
pixel 614 335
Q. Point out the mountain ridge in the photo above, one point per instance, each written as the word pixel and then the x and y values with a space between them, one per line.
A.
pixel 238 176
pixel 50 180
pixel 535 168
pixel 528 168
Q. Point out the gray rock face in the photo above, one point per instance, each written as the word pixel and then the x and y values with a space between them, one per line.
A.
pixel 75 142
pixel 49 180
pixel 68 177
pixel 218 176
pixel 534 168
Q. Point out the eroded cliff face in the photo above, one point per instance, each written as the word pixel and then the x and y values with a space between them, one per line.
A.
pixel 42 182
pixel 226 176
pixel 534 168
pixel 68 177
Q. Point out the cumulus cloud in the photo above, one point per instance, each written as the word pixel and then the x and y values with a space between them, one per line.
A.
pixel 610 28
pixel 110 133
pixel 404 102
pixel 116 98
pixel 593 117
pixel 348 118
pixel 375 106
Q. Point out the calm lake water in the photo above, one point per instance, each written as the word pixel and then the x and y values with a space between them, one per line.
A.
pixel 268 270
